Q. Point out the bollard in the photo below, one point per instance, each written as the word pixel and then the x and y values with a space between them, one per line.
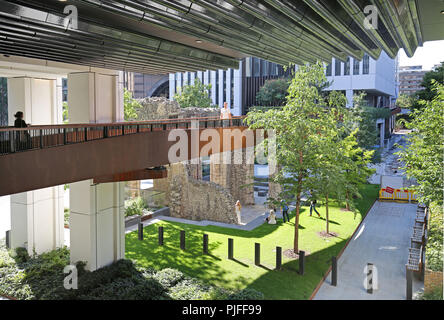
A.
pixel 205 244
pixel 301 262
pixel 278 258
pixel 182 239
pixel 257 253
pixel 334 271
pixel 140 229
pixel 160 236
pixel 8 240
pixel 409 285
pixel 230 249
pixel 370 278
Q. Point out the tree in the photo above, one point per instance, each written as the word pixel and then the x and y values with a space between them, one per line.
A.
pixel 130 106
pixel 196 95
pixel 65 112
pixel 299 126
pixel 429 92
pixel 405 101
pixel 273 92
pixel 423 155
pixel 354 163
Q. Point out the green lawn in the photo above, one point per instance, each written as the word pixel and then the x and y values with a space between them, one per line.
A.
pixel 242 273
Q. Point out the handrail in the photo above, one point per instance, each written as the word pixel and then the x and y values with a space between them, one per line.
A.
pixel 14 139
pixel 108 124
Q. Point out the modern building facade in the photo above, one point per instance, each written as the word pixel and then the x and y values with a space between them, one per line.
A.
pixel 410 78
pixel 237 87
pixel 377 78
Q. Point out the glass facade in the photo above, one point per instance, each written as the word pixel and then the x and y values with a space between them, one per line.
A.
pixel 347 67
pixel 232 88
pixel 366 64
pixel 355 66
pixel 3 101
pixel 328 70
pixel 337 67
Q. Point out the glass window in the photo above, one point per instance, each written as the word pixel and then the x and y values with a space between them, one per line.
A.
pixel 347 67
pixel 328 70
pixel 217 87
pixel 264 68
pixel 225 85
pixel 355 66
pixel 256 67
pixel 366 64
pixel 248 62
pixel 232 88
pixel 337 67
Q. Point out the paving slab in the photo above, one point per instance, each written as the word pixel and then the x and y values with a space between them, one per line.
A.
pixel 384 240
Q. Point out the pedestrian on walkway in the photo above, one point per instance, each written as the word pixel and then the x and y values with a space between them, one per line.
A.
pixel 238 208
pixel 313 207
pixel 285 211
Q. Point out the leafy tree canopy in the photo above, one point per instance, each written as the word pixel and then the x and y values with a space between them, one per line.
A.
pixel 130 106
pixel 429 92
pixel 196 95
pixel 273 92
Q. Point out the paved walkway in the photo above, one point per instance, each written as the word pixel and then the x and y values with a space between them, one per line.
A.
pixel 383 239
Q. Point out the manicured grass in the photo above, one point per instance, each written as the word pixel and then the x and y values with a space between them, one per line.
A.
pixel 241 272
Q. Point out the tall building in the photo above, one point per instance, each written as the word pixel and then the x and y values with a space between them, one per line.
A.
pixel 410 78
pixel 377 78
pixel 237 87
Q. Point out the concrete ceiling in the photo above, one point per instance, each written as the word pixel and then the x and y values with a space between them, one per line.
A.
pixel 161 36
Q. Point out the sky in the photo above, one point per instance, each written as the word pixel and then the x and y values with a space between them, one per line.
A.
pixel 428 55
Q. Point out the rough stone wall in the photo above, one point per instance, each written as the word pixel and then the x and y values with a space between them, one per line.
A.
pixel 155 108
pixel 238 179
pixel 432 279
pixel 194 199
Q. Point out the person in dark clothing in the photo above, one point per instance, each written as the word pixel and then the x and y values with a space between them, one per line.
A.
pixel 313 207
pixel 285 212
pixel 19 122
pixel 23 139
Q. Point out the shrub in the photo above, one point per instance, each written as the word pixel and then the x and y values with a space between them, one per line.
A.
pixel 196 95
pixel 246 294
pixel 169 277
pixel 190 289
pixel 135 206
pixel 273 92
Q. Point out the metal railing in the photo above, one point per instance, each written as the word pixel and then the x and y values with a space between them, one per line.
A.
pixel 39 137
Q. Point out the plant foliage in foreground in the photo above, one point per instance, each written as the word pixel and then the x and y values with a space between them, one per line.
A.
pixel 41 278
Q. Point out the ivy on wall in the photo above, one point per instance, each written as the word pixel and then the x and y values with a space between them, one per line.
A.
pixel 3 102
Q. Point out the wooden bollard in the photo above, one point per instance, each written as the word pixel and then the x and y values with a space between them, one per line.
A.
pixel 160 236
pixel 182 239
pixel 230 248
pixel 257 253
pixel 205 244
pixel 409 284
pixel 301 262
pixel 334 271
pixel 140 230
pixel 278 258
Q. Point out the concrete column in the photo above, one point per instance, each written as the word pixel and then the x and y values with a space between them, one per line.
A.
pixel 36 216
pixel 349 96
pixel 97 211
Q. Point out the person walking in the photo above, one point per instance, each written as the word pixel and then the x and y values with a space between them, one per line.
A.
pixel 313 207
pixel 23 139
pixel 285 212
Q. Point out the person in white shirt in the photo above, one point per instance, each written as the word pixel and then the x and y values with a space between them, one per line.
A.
pixel 271 219
pixel 225 114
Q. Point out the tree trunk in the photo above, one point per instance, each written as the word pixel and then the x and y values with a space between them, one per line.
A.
pixel 347 201
pixel 326 212
pixel 298 206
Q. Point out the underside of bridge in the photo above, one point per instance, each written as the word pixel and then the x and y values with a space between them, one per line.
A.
pixel 159 36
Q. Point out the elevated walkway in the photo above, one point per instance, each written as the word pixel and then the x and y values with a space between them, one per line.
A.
pixel 42 156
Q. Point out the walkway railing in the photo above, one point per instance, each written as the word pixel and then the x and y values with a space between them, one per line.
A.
pixel 39 137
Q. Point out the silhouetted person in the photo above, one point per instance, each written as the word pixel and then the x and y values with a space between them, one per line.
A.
pixel 23 139
pixel 19 122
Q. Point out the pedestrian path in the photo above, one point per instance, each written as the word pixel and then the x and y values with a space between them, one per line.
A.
pixel 384 240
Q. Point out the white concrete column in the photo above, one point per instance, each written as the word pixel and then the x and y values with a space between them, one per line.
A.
pixel 97 211
pixel 349 96
pixel 36 216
